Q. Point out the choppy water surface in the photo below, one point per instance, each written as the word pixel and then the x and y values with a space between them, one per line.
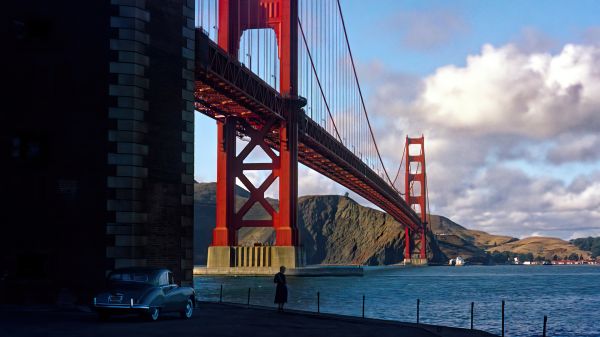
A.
pixel 568 295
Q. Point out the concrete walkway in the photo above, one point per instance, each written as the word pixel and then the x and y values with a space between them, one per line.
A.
pixel 212 319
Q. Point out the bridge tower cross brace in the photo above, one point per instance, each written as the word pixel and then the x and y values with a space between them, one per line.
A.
pixel 236 16
pixel 416 194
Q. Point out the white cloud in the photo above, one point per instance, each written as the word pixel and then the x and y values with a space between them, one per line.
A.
pixel 506 104
pixel 574 148
pixel 313 183
pixel 504 91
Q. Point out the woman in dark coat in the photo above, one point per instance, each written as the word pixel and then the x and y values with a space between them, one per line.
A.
pixel 281 292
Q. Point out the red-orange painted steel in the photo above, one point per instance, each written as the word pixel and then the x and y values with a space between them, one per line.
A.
pixel 407 244
pixel 418 197
pixel 223 234
pixel 225 88
pixel 235 16
pixel 243 104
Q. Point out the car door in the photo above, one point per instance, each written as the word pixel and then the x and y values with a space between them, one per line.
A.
pixel 178 297
pixel 169 292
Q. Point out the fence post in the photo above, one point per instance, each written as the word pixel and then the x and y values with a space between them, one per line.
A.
pixel 363 309
pixel 545 321
pixel 221 294
pixel 472 305
pixel 248 297
pixel 418 305
pixel 318 302
pixel 502 318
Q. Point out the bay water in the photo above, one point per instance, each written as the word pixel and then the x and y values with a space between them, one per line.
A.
pixel 568 295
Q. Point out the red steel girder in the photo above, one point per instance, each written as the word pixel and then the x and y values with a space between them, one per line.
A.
pixel 222 92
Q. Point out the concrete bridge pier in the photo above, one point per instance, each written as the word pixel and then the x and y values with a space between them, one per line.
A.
pixel 256 260
pixel 416 262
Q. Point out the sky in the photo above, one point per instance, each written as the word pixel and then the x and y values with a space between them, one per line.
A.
pixel 507 94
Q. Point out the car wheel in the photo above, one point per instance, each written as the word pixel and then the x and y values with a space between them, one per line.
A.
pixel 188 310
pixel 153 313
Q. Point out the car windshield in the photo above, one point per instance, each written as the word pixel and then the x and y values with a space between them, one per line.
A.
pixel 129 277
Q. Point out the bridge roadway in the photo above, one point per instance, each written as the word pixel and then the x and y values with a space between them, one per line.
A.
pixel 224 87
pixel 214 320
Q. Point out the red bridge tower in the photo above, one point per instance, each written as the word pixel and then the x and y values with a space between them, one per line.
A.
pixel 236 16
pixel 416 194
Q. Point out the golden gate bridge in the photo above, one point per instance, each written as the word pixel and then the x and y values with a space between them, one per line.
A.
pixel 281 74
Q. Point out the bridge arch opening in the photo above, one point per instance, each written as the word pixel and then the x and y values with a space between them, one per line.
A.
pixel 259 52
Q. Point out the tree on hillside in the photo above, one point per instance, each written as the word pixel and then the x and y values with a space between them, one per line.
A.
pixel 500 257
pixel 595 249
pixel 591 244
pixel 573 257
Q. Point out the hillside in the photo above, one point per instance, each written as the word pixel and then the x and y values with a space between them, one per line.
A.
pixel 333 229
pixel 205 215
pixel 455 240
pixel 336 229
pixel 542 246
pixel 475 246
pixel 442 225
pixel 591 244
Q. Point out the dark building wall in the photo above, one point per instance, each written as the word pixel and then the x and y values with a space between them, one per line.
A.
pixel 97 143
pixel 171 123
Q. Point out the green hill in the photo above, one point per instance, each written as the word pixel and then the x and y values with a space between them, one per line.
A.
pixel 455 240
pixel 333 229
pixel 591 244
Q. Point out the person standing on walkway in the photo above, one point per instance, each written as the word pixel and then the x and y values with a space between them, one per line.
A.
pixel 281 292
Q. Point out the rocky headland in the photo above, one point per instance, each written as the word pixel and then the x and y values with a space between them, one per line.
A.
pixel 335 229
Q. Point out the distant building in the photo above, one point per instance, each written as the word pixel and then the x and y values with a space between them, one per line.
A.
pixel 571 262
pixel 458 261
pixel 97 143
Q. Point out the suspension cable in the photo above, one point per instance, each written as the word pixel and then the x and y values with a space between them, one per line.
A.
pixel 318 81
pixel 361 95
pixel 401 161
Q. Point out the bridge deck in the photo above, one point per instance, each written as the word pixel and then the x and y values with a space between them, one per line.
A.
pixel 224 87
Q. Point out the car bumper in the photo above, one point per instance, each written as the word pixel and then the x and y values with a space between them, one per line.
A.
pixel 121 307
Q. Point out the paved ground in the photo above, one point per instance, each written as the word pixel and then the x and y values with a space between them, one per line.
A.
pixel 211 319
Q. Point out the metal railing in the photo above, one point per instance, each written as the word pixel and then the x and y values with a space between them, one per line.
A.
pixel 238 298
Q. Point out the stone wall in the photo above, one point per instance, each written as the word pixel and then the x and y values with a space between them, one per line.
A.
pixel 97 141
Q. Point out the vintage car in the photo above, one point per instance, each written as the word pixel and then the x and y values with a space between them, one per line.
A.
pixel 146 291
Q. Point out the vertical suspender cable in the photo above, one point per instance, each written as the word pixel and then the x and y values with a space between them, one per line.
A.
pixel 215 20
pixel 318 81
pixel 360 92
pixel 257 40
